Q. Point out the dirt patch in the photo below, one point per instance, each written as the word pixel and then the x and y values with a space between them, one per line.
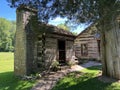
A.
pixel 107 79
pixel 76 68
pixel 91 63
pixel 85 65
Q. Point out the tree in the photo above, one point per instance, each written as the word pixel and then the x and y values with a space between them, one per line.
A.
pixel 80 11
pixel 7 32
pixel 66 27
pixel 12 34
pixel 75 10
pixel 63 26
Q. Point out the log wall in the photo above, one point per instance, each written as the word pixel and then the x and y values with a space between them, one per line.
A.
pixel 92 46
pixel 51 45
pixel 36 48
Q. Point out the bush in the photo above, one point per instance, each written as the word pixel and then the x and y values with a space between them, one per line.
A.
pixel 55 65
pixel 71 62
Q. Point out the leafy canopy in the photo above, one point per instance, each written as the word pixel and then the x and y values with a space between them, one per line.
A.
pixel 63 26
pixel 77 11
pixel 7 32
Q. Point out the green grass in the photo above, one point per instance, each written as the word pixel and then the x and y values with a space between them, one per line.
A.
pixel 8 81
pixel 6 56
pixel 87 79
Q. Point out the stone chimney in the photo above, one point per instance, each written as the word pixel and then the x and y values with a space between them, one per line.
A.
pixel 22 59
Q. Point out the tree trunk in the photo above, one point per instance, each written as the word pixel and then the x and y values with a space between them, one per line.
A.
pixel 101 28
pixel 110 51
pixel 103 53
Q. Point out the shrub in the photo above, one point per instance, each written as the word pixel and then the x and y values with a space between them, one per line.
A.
pixel 55 65
pixel 71 62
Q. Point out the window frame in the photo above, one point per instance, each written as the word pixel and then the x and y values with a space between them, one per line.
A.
pixel 84 49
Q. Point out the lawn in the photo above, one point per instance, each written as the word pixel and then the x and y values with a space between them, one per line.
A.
pixel 8 81
pixel 87 79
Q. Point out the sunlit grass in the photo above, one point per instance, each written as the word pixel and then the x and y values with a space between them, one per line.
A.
pixel 6 56
pixel 8 81
pixel 6 66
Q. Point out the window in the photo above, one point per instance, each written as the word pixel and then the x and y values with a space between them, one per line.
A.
pixel 84 49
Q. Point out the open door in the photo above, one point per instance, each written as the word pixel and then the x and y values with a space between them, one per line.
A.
pixel 61 48
pixel 98 41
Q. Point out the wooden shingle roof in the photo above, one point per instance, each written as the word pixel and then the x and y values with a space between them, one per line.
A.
pixel 90 29
pixel 55 30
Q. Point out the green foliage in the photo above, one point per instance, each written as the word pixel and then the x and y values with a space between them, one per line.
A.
pixel 71 62
pixel 66 27
pixel 85 80
pixel 7 33
pixel 54 65
pixel 63 26
pixel 78 11
pixel 7 79
pixel 74 33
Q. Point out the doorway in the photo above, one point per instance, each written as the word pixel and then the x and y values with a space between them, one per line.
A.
pixel 61 48
pixel 98 41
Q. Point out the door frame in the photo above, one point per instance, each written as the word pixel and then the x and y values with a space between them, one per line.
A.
pixel 64 50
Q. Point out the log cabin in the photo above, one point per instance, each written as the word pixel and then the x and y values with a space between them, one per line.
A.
pixel 37 44
pixel 87 44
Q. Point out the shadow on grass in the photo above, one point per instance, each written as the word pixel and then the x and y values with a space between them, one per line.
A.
pixel 99 67
pixel 10 82
pixel 87 80
pixel 83 84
